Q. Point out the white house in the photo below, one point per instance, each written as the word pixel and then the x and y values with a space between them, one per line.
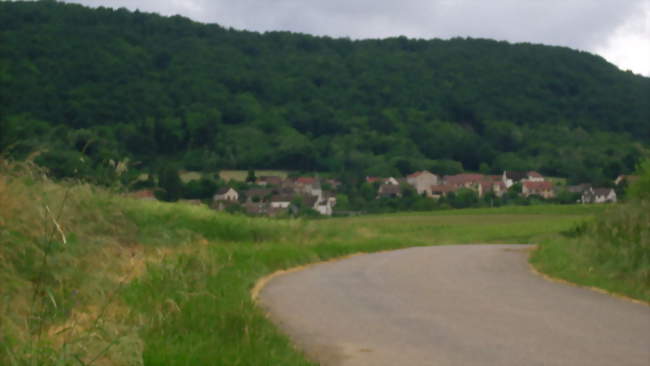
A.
pixel 309 185
pixel 534 176
pixel 511 177
pixel 325 205
pixel 226 194
pixel 391 181
pixel 422 181
pixel 599 195
pixel 281 201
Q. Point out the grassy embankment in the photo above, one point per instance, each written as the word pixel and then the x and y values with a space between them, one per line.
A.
pixel 89 277
pixel 611 252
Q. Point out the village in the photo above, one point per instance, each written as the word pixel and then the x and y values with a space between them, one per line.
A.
pixel 275 195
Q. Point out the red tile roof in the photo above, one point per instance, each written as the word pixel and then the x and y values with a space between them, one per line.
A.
pixel 534 174
pixel 538 186
pixel 460 179
pixel 443 188
pixel 306 180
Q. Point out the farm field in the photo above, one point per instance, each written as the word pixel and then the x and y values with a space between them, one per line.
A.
pixel 100 277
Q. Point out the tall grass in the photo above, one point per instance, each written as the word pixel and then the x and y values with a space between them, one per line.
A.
pixel 61 259
pixel 611 251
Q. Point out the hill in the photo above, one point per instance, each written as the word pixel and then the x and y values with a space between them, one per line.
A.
pixel 89 86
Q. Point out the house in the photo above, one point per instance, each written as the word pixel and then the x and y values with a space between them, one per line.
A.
pixel 268 180
pixel 491 186
pixel 542 189
pixel 258 194
pixel 626 179
pixel 599 195
pixel 533 176
pixel 281 201
pixel 308 185
pixel 511 177
pixel 389 191
pixel 226 194
pixel 422 181
pixel 465 180
pixel 389 180
pixel 303 181
pixel 471 181
pixel 441 190
pixel 325 205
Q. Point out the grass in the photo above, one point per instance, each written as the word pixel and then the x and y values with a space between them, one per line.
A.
pixel 141 282
pixel 197 307
pixel 240 175
pixel 611 252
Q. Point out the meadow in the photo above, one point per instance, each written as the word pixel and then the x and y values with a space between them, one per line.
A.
pixel 92 277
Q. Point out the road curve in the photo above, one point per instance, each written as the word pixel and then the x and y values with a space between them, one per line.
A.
pixel 452 305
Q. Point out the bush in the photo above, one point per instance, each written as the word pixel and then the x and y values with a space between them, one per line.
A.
pixel 640 189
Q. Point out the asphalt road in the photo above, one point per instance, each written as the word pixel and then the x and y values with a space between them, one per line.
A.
pixel 453 305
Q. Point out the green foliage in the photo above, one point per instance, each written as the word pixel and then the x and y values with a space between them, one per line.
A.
pixel 463 198
pixel 640 189
pixel 170 184
pixel 111 84
pixel 64 164
pixel 610 252
pixel 200 189
pixel 250 177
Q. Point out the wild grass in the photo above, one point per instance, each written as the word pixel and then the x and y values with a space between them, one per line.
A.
pixel 141 282
pixel 62 255
pixel 611 252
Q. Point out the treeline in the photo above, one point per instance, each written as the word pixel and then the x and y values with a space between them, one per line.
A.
pixel 86 88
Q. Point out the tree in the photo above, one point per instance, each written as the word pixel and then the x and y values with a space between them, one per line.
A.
pixel 464 198
pixel 251 178
pixel 640 189
pixel 170 184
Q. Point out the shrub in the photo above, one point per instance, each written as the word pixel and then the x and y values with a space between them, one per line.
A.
pixel 640 189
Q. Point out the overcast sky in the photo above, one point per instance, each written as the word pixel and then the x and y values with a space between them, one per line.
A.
pixel 618 30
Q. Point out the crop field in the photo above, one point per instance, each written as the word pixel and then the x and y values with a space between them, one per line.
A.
pixel 91 277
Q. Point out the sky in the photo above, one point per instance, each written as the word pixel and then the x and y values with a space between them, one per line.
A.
pixel 618 30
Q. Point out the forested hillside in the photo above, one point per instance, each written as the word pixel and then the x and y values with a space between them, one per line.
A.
pixel 86 86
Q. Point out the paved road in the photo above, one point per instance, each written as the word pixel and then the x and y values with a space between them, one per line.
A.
pixel 453 305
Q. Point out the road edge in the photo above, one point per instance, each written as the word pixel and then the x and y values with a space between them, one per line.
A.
pixel 263 281
pixel 550 278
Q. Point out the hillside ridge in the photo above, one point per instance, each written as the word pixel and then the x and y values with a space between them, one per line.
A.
pixel 103 84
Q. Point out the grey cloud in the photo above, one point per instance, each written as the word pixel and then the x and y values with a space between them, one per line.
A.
pixel 583 24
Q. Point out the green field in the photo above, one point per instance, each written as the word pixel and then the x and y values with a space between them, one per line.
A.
pixel 141 282
pixel 240 175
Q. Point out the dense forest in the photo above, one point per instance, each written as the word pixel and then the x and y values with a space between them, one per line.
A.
pixel 83 88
